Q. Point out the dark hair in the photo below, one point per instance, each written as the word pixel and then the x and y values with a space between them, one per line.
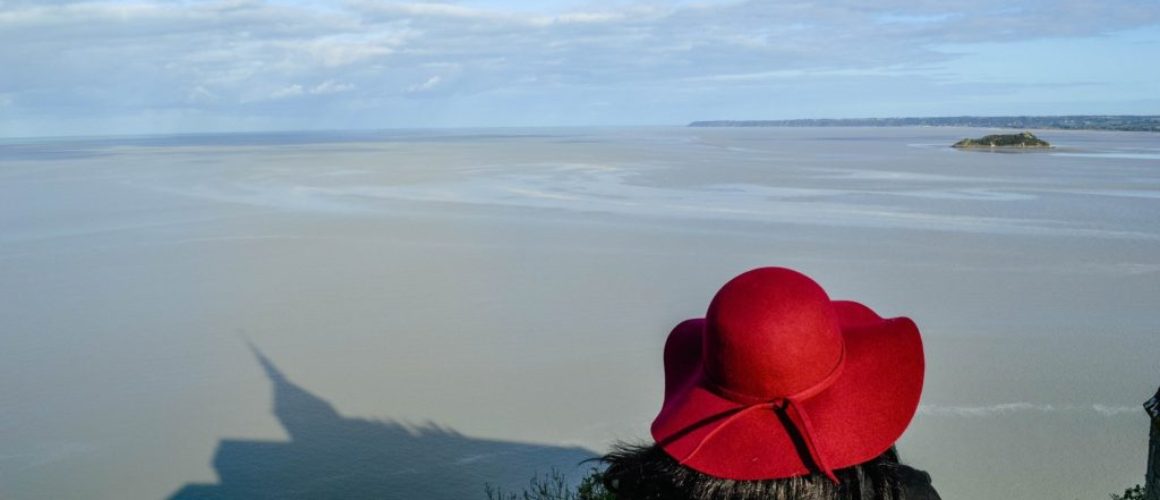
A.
pixel 646 472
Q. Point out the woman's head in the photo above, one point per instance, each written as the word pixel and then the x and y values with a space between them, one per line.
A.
pixel 780 382
pixel 648 473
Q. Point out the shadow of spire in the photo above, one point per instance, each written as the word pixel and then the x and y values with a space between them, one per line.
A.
pixel 304 415
pixel 331 456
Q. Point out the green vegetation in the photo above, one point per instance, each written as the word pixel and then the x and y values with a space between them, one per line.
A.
pixel 554 486
pixel 1134 493
pixel 1024 140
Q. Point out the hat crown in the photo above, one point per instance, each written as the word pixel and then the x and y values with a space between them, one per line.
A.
pixel 770 333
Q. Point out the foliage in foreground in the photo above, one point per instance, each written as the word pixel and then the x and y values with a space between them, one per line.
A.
pixel 554 486
pixel 1134 493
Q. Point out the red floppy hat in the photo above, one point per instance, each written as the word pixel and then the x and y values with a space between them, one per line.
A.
pixel 779 381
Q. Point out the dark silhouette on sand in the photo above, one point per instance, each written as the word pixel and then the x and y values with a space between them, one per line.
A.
pixel 331 456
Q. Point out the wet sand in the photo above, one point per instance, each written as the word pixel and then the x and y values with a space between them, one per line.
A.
pixel 517 287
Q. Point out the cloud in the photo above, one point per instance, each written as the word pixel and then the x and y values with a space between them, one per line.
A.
pixel 431 83
pixel 331 87
pixel 324 88
pixel 240 57
pixel 289 91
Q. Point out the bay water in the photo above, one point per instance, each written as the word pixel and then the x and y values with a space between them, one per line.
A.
pixel 419 313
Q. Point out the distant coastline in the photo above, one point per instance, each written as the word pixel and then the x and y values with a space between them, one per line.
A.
pixel 1126 123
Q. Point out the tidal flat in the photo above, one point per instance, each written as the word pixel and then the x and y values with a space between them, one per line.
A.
pixel 480 304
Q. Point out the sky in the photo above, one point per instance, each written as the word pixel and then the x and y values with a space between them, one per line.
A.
pixel 138 67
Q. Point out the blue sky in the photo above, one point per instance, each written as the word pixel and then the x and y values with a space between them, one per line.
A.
pixel 111 67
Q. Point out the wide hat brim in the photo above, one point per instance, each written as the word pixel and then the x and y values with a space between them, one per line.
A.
pixel 857 418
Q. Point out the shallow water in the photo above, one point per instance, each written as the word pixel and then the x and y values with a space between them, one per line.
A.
pixel 479 304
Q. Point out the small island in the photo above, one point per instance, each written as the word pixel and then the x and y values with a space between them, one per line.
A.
pixel 1024 140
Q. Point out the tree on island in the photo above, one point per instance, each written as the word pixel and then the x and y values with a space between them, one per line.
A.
pixel 1024 140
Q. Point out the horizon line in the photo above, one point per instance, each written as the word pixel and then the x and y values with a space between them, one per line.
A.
pixel 127 135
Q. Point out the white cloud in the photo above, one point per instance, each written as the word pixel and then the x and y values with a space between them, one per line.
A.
pixel 297 90
pixel 124 57
pixel 334 52
pixel 331 87
pixel 797 74
pixel 288 91
pixel 200 94
pixel 427 9
pixel 581 18
pixel 431 83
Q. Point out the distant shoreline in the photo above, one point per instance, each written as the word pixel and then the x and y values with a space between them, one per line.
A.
pixel 1122 123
